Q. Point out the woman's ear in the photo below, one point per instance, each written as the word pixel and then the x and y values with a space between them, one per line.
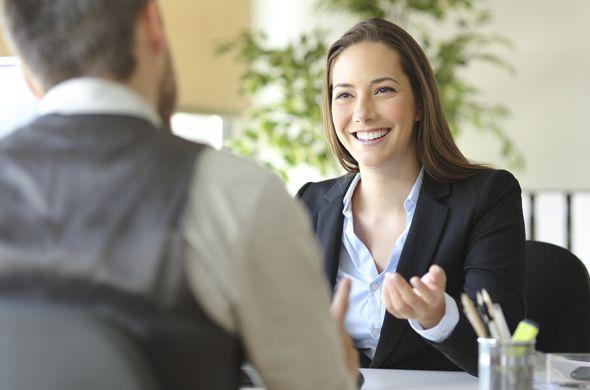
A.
pixel 418 116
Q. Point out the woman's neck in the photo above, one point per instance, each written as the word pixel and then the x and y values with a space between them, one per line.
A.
pixel 385 189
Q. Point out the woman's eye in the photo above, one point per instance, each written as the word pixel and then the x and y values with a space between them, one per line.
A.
pixel 343 95
pixel 384 90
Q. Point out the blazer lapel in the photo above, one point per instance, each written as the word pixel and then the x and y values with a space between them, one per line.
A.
pixel 329 225
pixel 427 225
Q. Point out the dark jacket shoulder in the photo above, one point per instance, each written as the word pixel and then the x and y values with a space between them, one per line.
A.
pixel 313 195
pixel 484 189
pixel 489 180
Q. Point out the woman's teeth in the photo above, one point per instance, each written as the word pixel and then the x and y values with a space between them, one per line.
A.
pixel 371 135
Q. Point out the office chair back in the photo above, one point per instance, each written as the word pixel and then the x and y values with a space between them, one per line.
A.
pixel 558 298
pixel 47 346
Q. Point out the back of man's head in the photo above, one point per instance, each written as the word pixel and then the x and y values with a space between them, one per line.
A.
pixel 62 39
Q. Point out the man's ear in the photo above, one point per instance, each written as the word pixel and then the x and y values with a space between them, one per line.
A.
pixel 32 83
pixel 153 25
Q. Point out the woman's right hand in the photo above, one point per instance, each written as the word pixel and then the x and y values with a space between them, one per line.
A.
pixel 338 309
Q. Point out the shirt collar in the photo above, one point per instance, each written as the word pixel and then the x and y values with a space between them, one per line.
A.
pixel 409 203
pixel 412 199
pixel 88 95
pixel 347 210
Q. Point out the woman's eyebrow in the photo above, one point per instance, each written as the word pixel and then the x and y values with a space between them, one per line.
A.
pixel 382 79
pixel 376 81
pixel 342 85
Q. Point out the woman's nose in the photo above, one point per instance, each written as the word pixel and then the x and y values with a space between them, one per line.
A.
pixel 363 110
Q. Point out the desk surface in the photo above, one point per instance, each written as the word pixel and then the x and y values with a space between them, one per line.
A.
pixel 376 379
pixel 417 380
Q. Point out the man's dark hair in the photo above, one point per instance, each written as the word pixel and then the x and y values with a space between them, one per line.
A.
pixel 63 39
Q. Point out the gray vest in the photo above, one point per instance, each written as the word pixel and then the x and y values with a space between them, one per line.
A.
pixel 90 214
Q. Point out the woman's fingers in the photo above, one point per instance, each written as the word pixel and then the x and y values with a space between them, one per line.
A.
pixel 435 278
pixel 405 302
pixel 414 303
pixel 429 296
pixel 395 301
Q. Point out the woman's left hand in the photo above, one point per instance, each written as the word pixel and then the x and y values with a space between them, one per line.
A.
pixel 423 300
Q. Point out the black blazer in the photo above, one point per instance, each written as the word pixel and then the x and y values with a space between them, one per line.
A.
pixel 473 229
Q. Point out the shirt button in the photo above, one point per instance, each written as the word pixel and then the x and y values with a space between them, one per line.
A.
pixel 375 332
pixel 374 286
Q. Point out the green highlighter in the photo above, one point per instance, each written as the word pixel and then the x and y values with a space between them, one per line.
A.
pixel 525 331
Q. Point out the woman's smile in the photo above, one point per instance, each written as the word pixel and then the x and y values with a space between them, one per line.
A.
pixel 371 136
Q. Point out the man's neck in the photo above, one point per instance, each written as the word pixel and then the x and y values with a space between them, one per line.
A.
pixel 97 96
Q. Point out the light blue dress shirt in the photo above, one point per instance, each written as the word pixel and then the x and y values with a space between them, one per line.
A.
pixel 366 310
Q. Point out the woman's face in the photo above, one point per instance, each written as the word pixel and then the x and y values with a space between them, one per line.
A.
pixel 373 108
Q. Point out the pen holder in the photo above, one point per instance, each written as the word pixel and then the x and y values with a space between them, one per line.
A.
pixel 506 365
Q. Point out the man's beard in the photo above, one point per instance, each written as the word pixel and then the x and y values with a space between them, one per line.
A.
pixel 167 93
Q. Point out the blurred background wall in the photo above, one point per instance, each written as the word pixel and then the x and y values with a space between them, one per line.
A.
pixel 550 94
pixel 3 47
pixel 208 83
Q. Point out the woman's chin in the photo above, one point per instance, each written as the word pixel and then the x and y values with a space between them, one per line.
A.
pixel 373 164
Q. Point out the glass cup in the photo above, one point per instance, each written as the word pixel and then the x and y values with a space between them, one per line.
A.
pixel 506 365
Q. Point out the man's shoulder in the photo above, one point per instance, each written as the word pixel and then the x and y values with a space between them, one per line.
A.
pixel 235 170
pixel 223 177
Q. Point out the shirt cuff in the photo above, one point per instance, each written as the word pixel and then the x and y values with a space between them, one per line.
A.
pixel 444 328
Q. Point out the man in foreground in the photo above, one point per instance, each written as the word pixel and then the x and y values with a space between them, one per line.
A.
pixel 197 254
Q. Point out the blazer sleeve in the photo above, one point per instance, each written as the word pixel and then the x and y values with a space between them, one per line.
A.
pixel 495 260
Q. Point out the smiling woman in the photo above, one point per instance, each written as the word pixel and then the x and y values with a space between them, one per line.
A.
pixel 413 224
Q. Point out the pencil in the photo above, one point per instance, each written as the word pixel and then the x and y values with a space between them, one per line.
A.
pixel 472 316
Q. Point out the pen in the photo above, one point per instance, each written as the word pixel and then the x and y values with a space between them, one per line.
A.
pixel 472 316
